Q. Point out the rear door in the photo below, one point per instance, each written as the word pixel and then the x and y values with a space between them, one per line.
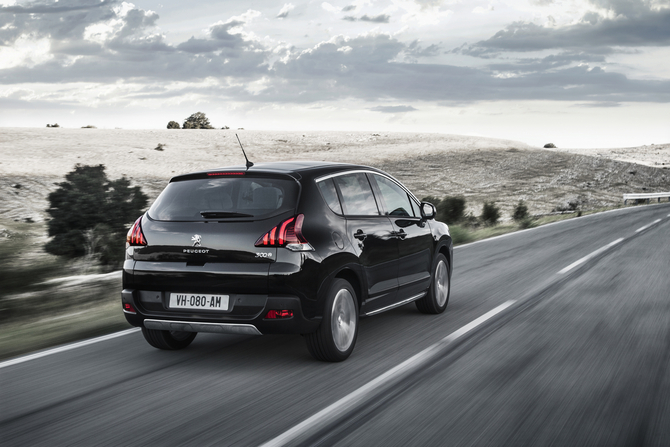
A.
pixel 371 234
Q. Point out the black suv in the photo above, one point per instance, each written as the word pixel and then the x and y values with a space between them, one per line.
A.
pixel 282 248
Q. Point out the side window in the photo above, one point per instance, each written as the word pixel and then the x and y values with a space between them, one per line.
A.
pixel 357 195
pixel 415 207
pixel 396 199
pixel 327 188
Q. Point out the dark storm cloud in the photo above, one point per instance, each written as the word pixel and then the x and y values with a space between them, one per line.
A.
pixel 393 109
pixel 381 18
pixel 641 27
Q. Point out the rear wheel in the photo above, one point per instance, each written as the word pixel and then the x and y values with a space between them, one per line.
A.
pixel 437 298
pixel 170 340
pixel 335 339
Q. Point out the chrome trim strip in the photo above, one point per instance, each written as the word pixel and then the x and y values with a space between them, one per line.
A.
pixel 393 306
pixel 337 174
pixel 191 326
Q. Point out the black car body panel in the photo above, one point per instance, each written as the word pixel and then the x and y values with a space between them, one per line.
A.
pixel 387 257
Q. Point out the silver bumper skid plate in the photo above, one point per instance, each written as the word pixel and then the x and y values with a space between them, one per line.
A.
pixel 189 326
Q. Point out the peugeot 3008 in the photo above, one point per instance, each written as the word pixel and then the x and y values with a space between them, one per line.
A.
pixel 282 248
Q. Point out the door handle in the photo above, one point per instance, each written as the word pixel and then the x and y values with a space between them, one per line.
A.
pixel 401 234
pixel 360 235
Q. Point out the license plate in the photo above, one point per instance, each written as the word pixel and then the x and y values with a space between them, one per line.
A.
pixel 198 301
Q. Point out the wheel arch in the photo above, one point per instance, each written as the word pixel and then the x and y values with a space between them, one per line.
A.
pixel 352 278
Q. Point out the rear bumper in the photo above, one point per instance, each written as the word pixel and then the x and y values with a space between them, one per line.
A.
pixel 157 315
pixel 189 326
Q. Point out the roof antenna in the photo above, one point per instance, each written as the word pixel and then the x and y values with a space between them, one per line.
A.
pixel 249 164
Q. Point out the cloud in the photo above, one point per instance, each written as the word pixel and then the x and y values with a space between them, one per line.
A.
pixel 551 62
pixel 330 8
pixel 415 50
pixel 118 44
pixel 283 12
pixel 110 41
pixel 369 70
pixel 381 18
pixel 641 27
pixel 393 109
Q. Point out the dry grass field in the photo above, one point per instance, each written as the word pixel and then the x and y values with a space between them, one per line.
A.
pixel 481 169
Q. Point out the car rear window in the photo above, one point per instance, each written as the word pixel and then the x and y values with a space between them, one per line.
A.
pixel 225 198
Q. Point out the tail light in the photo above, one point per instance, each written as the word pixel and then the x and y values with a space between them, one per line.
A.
pixel 287 234
pixel 276 314
pixel 128 308
pixel 135 236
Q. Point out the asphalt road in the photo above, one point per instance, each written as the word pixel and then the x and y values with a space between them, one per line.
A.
pixel 581 358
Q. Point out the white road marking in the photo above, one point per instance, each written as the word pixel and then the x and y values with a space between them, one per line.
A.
pixel 587 257
pixel 350 401
pixel 69 347
pixel 647 226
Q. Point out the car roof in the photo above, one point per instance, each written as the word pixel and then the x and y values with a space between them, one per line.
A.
pixel 286 167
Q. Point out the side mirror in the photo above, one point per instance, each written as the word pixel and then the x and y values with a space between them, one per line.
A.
pixel 427 210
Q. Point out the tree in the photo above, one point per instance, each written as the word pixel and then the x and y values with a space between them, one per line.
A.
pixel 173 125
pixel 197 121
pixel 90 214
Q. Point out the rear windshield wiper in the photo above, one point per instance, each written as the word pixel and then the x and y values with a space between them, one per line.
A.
pixel 220 214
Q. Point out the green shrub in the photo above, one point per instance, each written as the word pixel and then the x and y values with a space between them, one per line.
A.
pixel 490 213
pixel 520 212
pixel 449 209
pixel 90 213
pixel 173 125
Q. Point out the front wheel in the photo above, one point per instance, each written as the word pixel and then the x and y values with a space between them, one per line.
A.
pixel 435 301
pixel 170 340
pixel 335 339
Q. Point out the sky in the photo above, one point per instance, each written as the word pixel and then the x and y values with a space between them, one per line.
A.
pixel 591 73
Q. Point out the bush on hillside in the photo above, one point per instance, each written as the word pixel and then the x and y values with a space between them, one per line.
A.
pixel 173 125
pixel 520 212
pixel 449 209
pixel 90 214
pixel 197 121
pixel 490 213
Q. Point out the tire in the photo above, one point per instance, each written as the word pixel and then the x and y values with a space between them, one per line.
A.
pixel 169 340
pixel 335 339
pixel 437 298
